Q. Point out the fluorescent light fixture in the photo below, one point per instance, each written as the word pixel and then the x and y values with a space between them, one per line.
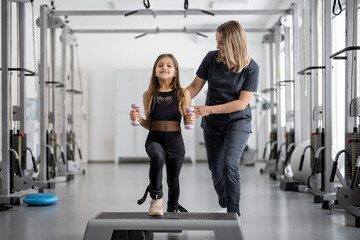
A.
pixel 229 5
pixel 127 5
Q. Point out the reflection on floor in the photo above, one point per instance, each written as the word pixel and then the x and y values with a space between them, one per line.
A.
pixel 267 211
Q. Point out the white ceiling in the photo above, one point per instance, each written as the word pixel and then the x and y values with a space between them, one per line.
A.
pixel 149 22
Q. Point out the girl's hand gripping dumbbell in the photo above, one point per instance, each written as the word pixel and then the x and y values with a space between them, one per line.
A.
pixel 135 114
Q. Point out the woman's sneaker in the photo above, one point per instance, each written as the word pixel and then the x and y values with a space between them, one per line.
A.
pixel 156 208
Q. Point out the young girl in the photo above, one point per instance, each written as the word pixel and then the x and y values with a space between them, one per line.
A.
pixel 164 105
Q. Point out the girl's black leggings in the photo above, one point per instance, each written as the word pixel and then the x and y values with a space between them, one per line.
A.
pixel 165 148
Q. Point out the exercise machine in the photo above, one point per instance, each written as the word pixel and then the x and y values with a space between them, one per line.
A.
pixel 72 144
pixel 14 182
pixel 320 109
pixel 348 195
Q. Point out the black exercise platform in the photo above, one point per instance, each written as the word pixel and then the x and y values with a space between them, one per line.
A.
pixel 139 225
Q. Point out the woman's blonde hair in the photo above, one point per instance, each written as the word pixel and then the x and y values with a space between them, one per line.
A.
pixel 235 46
pixel 154 86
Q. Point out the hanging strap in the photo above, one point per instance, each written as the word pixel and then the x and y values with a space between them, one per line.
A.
pixel 334 7
pixel 186 4
pixel 146 3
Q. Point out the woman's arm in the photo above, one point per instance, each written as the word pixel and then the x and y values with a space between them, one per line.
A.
pixel 233 106
pixel 195 87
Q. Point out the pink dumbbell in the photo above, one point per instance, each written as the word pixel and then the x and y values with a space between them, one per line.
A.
pixel 189 126
pixel 135 107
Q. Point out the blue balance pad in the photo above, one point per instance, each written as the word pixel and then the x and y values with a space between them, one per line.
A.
pixel 40 199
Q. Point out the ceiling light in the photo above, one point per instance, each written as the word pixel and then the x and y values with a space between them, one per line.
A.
pixel 127 5
pixel 229 5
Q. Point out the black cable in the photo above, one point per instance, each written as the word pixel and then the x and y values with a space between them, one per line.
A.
pixel 146 4
pixel 334 6
pixel 186 4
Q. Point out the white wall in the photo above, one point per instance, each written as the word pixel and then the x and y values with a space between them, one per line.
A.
pixel 103 55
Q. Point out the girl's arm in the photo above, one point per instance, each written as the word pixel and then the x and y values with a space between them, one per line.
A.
pixel 233 106
pixel 136 114
pixel 195 87
pixel 145 123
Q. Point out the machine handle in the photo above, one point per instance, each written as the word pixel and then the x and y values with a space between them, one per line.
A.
pixel 316 159
pixel 63 157
pixel 52 154
pixel 272 148
pixel 61 152
pixel 278 156
pixel 303 157
pixel 71 151
pixel 333 171
pixel 301 162
pixel 79 149
pixel 288 151
pixel 34 164
pixel 32 159
pixel 334 166
pixel 264 153
pixel 17 161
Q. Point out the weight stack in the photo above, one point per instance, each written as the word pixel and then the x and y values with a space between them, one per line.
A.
pixel 352 149
pixel 50 140
pixel 290 138
pixel 18 143
pixel 70 137
pixel 317 141
pixel 273 138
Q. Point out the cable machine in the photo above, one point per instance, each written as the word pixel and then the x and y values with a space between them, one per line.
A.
pixel 320 144
pixel 71 143
pixel 271 163
pixel 286 87
pixel 51 85
pixel 348 196
pixel 58 171
pixel 47 145
pixel 15 182
pixel 281 33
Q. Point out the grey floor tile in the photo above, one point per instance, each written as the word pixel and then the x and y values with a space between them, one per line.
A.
pixel 267 211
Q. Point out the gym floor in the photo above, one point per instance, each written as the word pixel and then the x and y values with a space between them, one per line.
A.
pixel 267 211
